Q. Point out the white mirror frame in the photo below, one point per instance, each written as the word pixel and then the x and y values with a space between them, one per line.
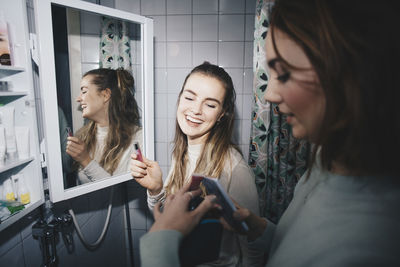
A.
pixel 48 89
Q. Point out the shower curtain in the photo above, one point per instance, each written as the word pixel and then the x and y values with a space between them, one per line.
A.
pixel 115 51
pixel 276 157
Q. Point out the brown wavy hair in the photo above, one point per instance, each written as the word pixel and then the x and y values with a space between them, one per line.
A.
pixel 123 115
pixel 215 151
pixel 355 53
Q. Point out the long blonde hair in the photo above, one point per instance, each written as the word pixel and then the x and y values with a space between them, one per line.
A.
pixel 123 116
pixel 216 149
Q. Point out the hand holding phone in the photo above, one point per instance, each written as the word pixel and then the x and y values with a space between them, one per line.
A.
pixel 228 207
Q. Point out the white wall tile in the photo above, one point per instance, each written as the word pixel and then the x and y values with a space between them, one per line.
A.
pixel 171 135
pixel 160 28
pixel 90 45
pixel 239 107
pixel 162 153
pixel 246 129
pixel 179 54
pixel 231 6
pixel 179 7
pixel 160 125
pixel 88 66
pixel 175 79
pixel 237 132
pixel 245 151
pixel 205 51
pixel 110 3
pixel 237 78
pixel 205 6
pixel 90 23
pixel 160 80
pixel 153 7
pixel 248 81
pixel 251 6
pixel 230 54
pixel 205 27
pixel 160 105
pixel 136 235
pixel 172 105
pixel 248 54
pixel 249 36
pixel 179 28
pixel 231 28
pixel 160 54
pixel 132 6
pixel 247 106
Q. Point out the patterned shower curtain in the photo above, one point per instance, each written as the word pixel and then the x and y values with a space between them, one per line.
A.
pixel 276 157
pixel 115 50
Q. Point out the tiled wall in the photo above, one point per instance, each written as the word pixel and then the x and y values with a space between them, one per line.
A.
pixel 187 32
pixel 18 248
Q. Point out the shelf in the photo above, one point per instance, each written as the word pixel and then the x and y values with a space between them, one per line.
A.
pixel 10 164
pixel 11 68
pixel 7 97
pixel 8 93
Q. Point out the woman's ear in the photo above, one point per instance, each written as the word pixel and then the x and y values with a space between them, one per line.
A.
pixel 220 116
pixel 106 94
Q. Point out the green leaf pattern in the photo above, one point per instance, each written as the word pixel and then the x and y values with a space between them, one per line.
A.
pixel 276 157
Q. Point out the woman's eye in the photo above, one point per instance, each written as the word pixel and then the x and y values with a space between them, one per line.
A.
pixel 84 92
pixel 188 98
pixel 283 77
pixel 211 106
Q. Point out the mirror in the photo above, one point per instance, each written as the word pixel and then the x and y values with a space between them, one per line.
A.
pixel 75 37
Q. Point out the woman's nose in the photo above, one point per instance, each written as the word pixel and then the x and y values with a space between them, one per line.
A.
pixel 272 93
pixel 196 108
pixel 79 98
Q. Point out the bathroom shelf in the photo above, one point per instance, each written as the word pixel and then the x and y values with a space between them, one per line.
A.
pixel 13 94
pixel 10 164
pixel 11 68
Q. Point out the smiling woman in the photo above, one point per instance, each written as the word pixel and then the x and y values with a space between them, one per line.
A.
pixel 202 144
pixel 103 146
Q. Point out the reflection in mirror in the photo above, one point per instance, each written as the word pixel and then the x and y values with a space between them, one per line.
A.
pixel 101 106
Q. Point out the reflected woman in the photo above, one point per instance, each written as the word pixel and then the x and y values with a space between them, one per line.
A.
pixel 103 146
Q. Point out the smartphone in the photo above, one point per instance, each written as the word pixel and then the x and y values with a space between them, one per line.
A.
pixel 69 131
pixel 213 187
pixel 138 152
pixel 196 180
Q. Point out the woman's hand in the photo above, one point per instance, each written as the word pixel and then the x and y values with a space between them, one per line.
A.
pixel 147 173
pixel 176 214
pixel 76 148
pixel 255 223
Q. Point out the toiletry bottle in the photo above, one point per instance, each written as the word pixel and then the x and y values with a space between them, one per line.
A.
pixel 24 195
pixel 8 190
pixel 5 58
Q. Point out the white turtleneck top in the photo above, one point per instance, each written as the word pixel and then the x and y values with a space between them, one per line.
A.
pixel 93 171
pixel 235 177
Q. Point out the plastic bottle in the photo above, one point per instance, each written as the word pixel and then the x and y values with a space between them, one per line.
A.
pixel 8 190
pixel 24 195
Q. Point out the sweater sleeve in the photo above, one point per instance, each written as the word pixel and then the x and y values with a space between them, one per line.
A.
pixel 243 190
pixel 263 243
pixel 92 172
pixel 153 199
pixel 160 248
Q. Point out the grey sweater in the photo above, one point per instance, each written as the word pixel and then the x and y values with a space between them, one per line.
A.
pixel 333 220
